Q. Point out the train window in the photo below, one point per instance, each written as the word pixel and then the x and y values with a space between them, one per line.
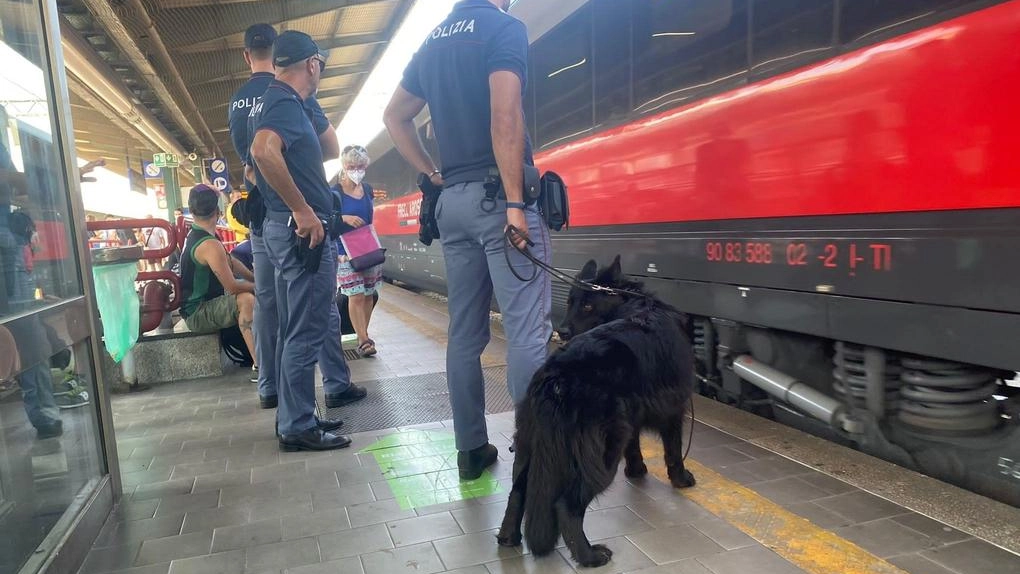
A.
pixel 683 48
pixel 611 25
pixel 789 33
pixel 871 20
pixel 563 80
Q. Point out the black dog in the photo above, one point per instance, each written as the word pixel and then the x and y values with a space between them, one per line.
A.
pixel 628 366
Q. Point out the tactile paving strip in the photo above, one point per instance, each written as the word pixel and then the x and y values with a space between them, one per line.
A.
pixel 413 400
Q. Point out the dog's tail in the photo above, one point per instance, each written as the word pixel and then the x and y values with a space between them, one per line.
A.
pixel 549 454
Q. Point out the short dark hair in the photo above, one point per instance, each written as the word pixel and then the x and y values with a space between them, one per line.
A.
pixel 261 54
pixel 203 201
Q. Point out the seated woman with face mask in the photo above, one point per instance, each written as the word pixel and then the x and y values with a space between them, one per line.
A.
pixel 359 286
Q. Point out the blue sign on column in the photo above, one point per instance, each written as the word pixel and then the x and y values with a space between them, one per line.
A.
pixel 150 170
pixel 218 173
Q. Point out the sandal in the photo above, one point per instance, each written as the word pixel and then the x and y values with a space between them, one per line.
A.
pixel 367 348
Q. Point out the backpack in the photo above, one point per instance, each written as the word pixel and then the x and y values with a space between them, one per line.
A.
pixel 234 347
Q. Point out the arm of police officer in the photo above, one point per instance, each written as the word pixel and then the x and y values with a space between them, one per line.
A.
pixel 399 119
pixel 213 254
pixel 507 62
pixel 267 151
pixel 328 140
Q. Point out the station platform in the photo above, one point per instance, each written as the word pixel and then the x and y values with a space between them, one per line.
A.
pixel 206 489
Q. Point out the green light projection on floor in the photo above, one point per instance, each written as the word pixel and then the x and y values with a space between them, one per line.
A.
pixel 421 469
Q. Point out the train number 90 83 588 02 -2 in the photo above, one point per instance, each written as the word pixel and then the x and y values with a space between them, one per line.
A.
pixel 851 256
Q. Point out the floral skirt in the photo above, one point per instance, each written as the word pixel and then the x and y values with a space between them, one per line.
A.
pixel 357 282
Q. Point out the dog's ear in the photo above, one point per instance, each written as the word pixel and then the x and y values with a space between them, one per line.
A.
pixel 614 273
pixel 588 271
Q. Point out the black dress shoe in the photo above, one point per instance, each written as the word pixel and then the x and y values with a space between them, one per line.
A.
pixel 313 439
pixel 472 463
pixel 329 425
pixel 353 394
pixel 269 402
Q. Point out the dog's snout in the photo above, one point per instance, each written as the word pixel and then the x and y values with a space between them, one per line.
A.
pixel 564 332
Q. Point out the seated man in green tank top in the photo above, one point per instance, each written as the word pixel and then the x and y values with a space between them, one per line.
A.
pixel 212 298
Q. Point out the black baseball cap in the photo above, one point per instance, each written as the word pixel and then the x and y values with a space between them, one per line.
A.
pixel 292 47
pixel 203 201
pixel 259 36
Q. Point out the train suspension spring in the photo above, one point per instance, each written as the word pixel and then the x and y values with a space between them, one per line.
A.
pixel 943 397
pixel 851 378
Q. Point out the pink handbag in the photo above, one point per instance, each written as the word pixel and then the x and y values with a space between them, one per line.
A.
pixel 363 248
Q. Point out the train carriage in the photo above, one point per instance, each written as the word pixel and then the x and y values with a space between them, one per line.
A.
pixel 828 186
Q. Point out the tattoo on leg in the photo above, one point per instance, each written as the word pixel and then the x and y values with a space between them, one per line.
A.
pixel 245 325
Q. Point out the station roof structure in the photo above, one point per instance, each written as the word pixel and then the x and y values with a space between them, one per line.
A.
pixel 157 75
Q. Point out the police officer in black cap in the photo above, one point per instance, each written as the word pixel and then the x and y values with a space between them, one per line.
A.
pixel 258 54
pixel 471 72
pixel 288 158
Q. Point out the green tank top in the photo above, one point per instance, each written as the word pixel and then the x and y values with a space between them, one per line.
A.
pixel 198 282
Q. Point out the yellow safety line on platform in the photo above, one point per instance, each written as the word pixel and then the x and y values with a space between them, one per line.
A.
pixel 807 546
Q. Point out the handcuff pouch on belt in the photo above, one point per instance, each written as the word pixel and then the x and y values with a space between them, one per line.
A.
pixel 549 192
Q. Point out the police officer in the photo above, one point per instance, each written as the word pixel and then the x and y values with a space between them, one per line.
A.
pixel 259 40
pixel 471 72
pixel 288 157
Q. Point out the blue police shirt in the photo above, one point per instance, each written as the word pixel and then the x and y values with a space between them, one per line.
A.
pixel 451 72
pixel 283 111
pixel 240 107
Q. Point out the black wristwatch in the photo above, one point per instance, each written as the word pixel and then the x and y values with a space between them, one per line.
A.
pixel 515 205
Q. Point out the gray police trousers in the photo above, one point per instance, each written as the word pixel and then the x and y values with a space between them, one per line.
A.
pixel 309 326
pixel 476 268
pixel 336 376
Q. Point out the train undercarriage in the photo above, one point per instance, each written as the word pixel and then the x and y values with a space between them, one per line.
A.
pixel 958 423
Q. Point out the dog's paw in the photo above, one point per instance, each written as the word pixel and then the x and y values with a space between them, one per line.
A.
pixel 509 540
pixel 635 471
pixel 685 480
pixel 600 555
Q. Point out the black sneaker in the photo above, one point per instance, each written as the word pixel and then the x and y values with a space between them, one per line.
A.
pixel 54 429
pixel 353 394
pixel 269 402
pixel 473 463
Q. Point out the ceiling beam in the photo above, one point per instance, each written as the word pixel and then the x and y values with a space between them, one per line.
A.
pixel 234 19
pixel 236 42
pixel 126 40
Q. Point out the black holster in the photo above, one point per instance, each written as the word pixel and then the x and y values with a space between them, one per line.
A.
pixel 428 227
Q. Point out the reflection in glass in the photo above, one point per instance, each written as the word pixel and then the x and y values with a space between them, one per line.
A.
pixel 36 257
pixel 48 440
pixel 49 444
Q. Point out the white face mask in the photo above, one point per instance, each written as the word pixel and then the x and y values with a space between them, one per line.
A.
pixel 356 176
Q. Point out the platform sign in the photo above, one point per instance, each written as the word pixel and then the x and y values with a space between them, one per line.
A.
pixel 151 171
pixel 220 183
pixel 166 160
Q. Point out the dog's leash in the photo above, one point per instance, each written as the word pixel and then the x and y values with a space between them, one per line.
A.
pixel 512 232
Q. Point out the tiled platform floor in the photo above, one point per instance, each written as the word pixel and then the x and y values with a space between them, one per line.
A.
pixel 207 491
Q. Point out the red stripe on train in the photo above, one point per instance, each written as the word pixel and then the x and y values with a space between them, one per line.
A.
pixel 924 122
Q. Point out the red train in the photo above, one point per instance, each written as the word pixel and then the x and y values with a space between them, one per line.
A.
pixel 829 187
